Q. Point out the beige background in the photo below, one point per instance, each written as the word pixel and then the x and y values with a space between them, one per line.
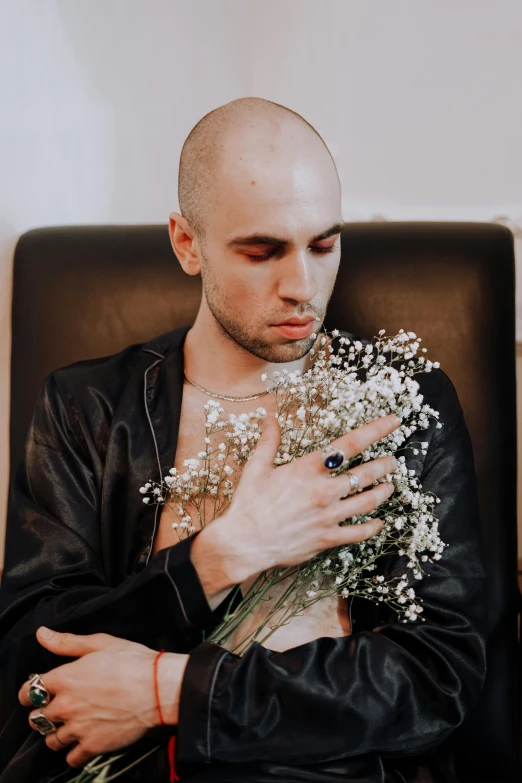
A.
pixel 418 100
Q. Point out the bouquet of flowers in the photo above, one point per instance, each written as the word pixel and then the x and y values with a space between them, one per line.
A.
pixel 342 390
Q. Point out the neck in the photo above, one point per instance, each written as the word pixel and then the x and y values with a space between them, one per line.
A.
pixel 214 360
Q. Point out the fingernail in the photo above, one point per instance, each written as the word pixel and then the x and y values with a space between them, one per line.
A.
pixel 44 632
pixel 395 419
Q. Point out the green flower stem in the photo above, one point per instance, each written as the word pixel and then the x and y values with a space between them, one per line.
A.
pixel 243 610
pixel 99 767
pixel 230 615
pixel 129 766
pixel 93 767
pixel 275 609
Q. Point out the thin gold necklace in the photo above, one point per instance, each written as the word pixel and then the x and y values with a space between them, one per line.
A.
pixel 224 396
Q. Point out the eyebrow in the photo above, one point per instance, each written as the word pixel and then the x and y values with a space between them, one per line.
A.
pixel 263 239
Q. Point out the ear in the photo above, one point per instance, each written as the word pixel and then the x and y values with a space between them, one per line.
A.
pixel 184 243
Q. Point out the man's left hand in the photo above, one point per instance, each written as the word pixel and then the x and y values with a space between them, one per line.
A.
pixel 105 700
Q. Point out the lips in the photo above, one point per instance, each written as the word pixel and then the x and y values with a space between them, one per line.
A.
pixel 296 322
pixel 295 328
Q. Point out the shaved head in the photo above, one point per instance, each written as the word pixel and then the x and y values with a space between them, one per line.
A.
pixel 253 126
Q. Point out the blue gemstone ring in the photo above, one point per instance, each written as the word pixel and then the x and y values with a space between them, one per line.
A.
pixel 333 458
pixel 38 693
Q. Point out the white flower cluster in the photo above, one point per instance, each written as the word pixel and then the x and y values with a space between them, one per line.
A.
pixel 348 385
pixel 209 474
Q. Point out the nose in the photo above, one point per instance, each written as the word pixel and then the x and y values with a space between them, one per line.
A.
pixel 297 282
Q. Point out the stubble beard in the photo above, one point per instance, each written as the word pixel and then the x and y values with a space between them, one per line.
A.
pixel 236 330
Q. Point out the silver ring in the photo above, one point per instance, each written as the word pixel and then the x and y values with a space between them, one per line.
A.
pixel 43 724
pixel 38 693
pixel 333 458
pixel 354 482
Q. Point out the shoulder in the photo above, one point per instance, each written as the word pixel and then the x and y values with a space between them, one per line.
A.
pixel 80 400
pixel 439 392
pixel 111 374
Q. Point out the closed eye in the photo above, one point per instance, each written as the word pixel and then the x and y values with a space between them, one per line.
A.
pixel 321 251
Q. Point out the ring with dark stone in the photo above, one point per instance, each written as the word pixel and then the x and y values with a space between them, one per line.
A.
pixel 43 724
pixel 38 693
pixel 333 458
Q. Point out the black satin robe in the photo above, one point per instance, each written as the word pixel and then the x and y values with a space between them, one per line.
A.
pixel 377 706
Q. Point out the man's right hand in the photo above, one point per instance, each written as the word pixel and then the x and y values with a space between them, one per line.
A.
pixel 286 515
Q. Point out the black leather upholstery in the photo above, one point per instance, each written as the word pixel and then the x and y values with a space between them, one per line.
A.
pixel 87 291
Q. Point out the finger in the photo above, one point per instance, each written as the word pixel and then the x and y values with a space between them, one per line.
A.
pixel 79 756
pixel 23 695
pixel 75 645
pixel 353 534
pixel 366 472
pixel 362 503
pixel 356 441
pixel 262 460
pixel 60 739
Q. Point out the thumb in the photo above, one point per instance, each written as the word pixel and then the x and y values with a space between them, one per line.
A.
pixel 262 459
pixel 71 644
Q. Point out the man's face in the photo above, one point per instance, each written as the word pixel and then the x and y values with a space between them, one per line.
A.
pixel 271 253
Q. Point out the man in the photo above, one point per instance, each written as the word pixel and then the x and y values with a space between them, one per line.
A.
pixel 260 221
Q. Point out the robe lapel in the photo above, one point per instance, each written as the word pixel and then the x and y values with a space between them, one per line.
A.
pixel 163 394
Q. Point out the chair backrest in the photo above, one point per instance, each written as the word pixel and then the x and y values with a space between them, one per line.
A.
pixel 87 291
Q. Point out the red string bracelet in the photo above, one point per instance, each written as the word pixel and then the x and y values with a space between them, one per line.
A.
pixel 156 689
pixel 173 775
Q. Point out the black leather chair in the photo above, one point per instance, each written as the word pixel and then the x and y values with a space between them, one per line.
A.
pixel 87 291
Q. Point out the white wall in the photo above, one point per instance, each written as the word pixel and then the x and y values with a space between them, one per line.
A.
pixel 419 100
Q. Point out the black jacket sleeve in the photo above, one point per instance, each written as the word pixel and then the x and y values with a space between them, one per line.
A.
pixel 395 688
pixel 54 570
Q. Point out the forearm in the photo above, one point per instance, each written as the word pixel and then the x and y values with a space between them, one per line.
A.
pixel 219 563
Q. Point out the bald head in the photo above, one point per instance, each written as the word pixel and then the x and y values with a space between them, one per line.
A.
pixel 238 143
